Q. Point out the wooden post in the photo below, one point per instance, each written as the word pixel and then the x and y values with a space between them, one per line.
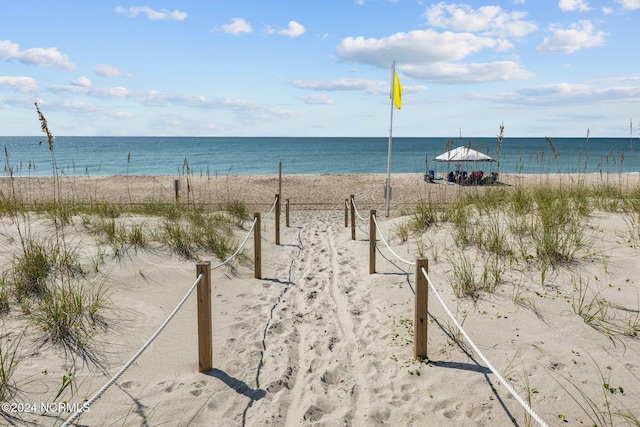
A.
pixel 257 247
pixel 176 189
pixel 346 212
pixel 279 177
pixel 353 218
pixel 372 242
pixel 421 310
pixel 277 219
pixel 205 339
pixel 286 212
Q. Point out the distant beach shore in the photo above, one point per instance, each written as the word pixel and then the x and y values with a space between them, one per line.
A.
pixel 321 191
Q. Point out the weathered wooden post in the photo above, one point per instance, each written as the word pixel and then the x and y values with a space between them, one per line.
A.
pixel 346 213
pixel 372 242
pixel 421 310
pixel 279 177
pixel 277 219
pixel 176 189
pixel 205 339
pixel 286 212
pixel 353 218
pixel 257 247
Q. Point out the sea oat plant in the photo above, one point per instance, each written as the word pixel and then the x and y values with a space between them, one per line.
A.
pixel 9 361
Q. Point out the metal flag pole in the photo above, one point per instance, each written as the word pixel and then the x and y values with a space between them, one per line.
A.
pixel 388 187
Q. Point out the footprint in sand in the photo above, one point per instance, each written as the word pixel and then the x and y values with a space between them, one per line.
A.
pixel 278 328
pixel 314 413
pixel 331 376
pixel 198 388
pixel 169 386
pixel 129 385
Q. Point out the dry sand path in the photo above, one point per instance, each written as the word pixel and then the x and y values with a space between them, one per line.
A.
pixel 316 329
pixel 328 350
pixel 336 348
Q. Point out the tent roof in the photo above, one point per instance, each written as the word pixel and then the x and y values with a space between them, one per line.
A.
pixel 463 154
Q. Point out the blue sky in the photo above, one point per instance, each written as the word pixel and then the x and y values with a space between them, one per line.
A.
pixel 320 68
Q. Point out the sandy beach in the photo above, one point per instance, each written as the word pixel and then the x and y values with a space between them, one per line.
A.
pixel 317 340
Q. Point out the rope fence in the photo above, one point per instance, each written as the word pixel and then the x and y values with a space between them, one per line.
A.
pixel 356 210
pixel 421 311
pixel 203 284
pixel 475 348
pixel 126 366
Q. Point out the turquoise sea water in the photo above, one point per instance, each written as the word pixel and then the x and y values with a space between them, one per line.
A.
pixel 94 156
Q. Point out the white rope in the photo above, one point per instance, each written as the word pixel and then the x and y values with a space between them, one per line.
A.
pixel 275 202
pixel 255 220
pixel 508 386
pixel 389 247
pixel 355 208
pixel 109 383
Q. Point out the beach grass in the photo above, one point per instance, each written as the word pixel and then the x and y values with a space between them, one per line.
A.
pixel 71 314
pixel 10 359
pixel 541 226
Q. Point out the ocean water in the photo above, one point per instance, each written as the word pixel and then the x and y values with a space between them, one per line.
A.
pixel 93 156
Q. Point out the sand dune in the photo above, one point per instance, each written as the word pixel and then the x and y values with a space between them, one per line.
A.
pixel 319 341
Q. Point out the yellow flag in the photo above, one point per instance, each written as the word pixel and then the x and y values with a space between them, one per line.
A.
pixel 396 92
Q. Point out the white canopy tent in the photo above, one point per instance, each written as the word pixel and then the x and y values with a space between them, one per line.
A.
pixel 463 154
pixel 467 155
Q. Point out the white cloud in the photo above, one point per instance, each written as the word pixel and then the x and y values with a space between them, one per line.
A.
pixel 447 72
pixel 108 71
pixel 573 5
pixel 578 36
pixel 293 30
pixel 486 20
pixel 415 47
pixel 237 26
pixel 19 84
pixel 629 4
pixel 154 98
pixel 370 87
pixel 557 89
pixel 432 56
pixel 153 15
pixel 633 79
pixel 316 99
pixel 570 93
pixel 41 57
pixel 338 85
pixel 81 81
